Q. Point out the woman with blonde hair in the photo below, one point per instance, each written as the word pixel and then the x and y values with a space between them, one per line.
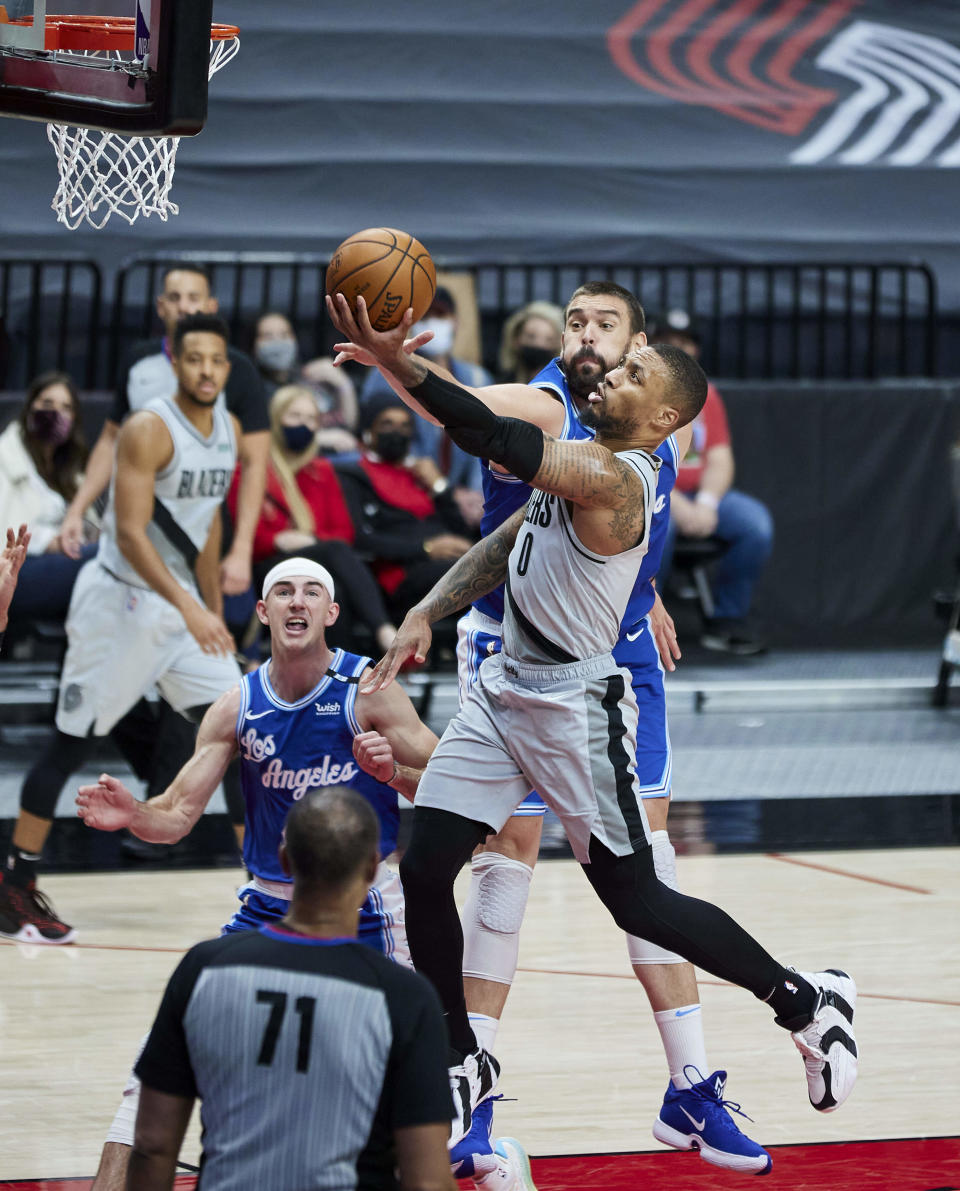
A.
pixel 530 339
pixel 304 513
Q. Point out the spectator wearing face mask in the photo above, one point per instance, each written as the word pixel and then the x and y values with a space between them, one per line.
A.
pixel 305 515
pixel 42 455
pixel 404 511
pixel 530 339
pixel 430 441
pixel 276 353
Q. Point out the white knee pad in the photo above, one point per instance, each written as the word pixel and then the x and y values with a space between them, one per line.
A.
pixel 124 1123
pixel 499 888
pixel 665 864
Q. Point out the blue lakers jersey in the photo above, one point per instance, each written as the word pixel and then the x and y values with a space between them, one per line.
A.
pixel 287 749
pixel 504 494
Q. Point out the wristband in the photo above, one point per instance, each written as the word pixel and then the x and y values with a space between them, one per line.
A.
pixel 708 499
pixel 393 776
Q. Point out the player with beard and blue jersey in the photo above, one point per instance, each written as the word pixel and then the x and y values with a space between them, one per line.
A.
pixel 602 322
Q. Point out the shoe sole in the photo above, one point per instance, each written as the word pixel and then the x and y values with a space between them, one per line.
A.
pixel 840 1063
pixel 30 934
pixel 516 1155
pixel 693 1141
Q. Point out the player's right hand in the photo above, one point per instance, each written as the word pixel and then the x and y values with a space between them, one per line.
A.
pixel 108 806
pixel 412 641
pixel 71 534
pixel 209 631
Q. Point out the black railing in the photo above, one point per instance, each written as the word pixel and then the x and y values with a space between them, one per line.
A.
pixel 778 320
pixel 50 312
pixel 246 285
pixel 773 321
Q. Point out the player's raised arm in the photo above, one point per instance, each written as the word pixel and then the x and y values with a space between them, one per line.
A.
pixel 586 473
pixel 525 402
pixel 109 805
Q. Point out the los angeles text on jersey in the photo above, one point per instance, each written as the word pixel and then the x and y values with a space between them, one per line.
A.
pixel 276 776
pixel 210 481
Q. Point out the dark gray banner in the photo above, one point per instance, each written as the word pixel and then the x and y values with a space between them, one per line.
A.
pixel 663 129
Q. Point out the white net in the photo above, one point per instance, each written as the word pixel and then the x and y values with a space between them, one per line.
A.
pixel 106 173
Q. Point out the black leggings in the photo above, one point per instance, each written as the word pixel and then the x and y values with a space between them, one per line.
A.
pixel 441 844
pixel 358 593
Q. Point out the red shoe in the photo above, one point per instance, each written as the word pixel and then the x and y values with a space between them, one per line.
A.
pixel 27 916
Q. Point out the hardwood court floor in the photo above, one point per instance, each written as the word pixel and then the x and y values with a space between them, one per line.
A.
pixel 579 1050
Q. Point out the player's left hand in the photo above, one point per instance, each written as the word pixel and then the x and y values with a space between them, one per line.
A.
pixel 374 755
pixel 236 574
pixel 412 641
pixel 664 634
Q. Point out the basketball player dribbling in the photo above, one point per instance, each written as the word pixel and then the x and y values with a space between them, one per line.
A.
pixel 146 610
pixel 554 708
pixel 602 321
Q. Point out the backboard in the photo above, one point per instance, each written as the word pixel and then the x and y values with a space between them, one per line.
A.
pixel 145 75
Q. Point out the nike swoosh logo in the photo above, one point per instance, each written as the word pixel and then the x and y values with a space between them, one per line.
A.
pixel 698 1125
pixel 684 1012
pixel 258 715
pixel 634 636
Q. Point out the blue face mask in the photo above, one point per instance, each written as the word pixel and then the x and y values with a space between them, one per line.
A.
pixel 297 438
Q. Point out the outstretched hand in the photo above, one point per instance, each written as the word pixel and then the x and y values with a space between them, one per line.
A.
pixel 368 346
pixel 11 560
pixel 412 641
pixel 108 806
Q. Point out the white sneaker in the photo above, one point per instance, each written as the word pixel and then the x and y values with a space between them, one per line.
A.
pixel 512 1169
pixel 471 1082
pixel 828 1044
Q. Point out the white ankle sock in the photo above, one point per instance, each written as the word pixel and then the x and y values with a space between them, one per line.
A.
pixel 485 1029
pixel 681 1031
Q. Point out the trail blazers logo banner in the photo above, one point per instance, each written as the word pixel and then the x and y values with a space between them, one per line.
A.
pixel 869 92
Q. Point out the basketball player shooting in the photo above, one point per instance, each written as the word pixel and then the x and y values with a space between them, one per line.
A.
pixel 555 711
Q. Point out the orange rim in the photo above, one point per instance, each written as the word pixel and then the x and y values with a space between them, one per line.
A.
pixel 88 34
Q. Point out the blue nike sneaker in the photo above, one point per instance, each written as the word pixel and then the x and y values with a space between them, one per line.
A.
pixel 471 1156
pixel 698 1118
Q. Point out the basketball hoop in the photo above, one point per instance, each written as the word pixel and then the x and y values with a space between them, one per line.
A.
pixel 107 173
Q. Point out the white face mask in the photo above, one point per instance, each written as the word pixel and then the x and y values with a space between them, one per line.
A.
pixel 443 330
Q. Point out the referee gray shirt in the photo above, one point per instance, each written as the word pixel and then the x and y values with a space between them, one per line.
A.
pixel 306 1054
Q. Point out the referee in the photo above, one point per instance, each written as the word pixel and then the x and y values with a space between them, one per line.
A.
pixel 318 1062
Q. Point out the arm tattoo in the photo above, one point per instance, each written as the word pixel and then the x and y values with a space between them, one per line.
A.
pixel 480 570
pixel 587 474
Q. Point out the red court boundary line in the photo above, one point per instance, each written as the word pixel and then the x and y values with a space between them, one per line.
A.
pixel 40 1182
pixel 842 872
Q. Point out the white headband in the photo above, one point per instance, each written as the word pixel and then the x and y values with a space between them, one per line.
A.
pixel 298 568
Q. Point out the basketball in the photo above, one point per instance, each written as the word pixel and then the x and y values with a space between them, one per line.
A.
pixel 391 269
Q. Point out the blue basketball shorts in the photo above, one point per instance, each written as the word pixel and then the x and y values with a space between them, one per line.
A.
pixel 479 637
pixel 382 926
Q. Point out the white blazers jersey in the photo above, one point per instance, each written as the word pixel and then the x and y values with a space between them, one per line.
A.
pixel 564 602
pixel 187 495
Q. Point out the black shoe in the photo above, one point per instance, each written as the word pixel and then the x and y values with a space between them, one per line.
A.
pixel 733 637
